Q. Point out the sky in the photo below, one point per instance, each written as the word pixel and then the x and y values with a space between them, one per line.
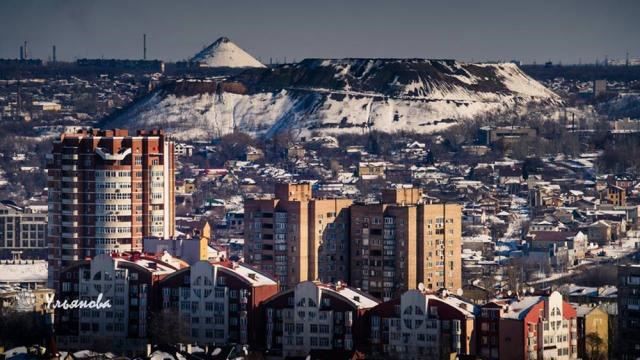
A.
pixel 567 31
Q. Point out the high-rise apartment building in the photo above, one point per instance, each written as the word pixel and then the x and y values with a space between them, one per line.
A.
pixel 295 237
pixel 401 242
pixel 107 191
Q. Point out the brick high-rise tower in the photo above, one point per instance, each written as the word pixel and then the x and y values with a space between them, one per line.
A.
pixel 107 191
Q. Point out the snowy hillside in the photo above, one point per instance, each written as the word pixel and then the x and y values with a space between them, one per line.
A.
pixel 333 96
pixel 224 53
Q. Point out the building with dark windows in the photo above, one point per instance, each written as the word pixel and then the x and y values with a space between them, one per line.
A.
pixel 628 346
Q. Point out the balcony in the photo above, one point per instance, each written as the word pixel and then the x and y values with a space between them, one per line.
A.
pixel 72 235
pixel 70 167
pixel 70 223
pixel 69 156
pixel 70 201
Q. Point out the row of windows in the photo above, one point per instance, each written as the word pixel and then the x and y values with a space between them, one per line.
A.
pixel 113 230
pixel 113 185
pixel 113 196
pixel 109 173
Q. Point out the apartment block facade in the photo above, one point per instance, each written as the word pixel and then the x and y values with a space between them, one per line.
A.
pixel 529 327
pixel 314 317
pixel 107 191
pixel 23 230
pixel 401 242
pixel 216 302
pixel 421 325
pixel 295 237
pixel 126 281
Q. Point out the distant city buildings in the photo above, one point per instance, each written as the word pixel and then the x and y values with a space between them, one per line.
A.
pixel 107 191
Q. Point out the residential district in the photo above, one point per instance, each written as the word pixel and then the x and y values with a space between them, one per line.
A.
pixel 508 238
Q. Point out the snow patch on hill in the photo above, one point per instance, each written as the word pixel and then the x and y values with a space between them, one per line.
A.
pixel 342 96
pixel 224 53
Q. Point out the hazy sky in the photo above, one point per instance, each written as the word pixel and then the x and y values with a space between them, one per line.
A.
pixel 540 30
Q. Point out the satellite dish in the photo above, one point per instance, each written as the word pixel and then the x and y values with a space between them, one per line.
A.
pixel 459 292
pixel 216 351
pixel 339 284
pixel 524 291
pixel 421 286
pixel 509 292
pixel 531 289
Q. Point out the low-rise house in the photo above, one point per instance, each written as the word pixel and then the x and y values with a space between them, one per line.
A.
pixel 550 240
pixel 372 170
pixel 600 232
pixel 593 332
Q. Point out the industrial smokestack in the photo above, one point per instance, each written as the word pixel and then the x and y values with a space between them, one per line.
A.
pixel 53 56
pixel 144 46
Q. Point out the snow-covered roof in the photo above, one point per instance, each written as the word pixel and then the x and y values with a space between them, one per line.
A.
pixel 519 309
pixel 23 271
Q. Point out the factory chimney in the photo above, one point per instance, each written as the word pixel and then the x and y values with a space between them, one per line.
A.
pixel 144 46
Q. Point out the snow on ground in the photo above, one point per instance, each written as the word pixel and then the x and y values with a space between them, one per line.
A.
pixel 421 104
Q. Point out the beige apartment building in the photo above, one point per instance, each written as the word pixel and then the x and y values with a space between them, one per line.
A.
pixel 295 237
pixel 383 248
pixel 401 242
